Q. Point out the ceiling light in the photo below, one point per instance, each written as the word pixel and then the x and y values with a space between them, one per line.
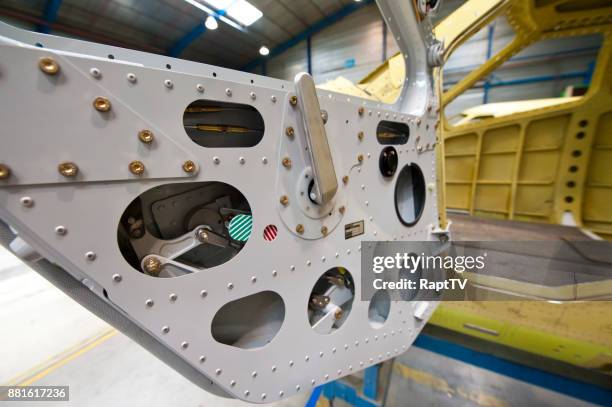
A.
pixel 264 51
pixel 211 23
pixel 243 12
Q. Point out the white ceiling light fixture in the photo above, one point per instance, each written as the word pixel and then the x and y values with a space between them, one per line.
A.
pixel 240 10
pixel 211 23
pixel 264 50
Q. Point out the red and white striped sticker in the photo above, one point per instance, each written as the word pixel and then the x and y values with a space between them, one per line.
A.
pixel 270 233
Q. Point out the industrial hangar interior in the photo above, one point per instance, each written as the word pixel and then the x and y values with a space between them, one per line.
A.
pixel 306 202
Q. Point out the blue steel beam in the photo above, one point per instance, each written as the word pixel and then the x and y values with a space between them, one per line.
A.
pixel 186 40
pixel 310 31
pixel 50 15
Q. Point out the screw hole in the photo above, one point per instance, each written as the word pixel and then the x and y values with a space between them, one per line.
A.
pixel 111 56
pixel 580 135
pixel 583 123
pixel 214 74
pixel 570 184
pixel 168 66
pixel 576 153
pixel 39 45
pixel 569 199
pixel 573 168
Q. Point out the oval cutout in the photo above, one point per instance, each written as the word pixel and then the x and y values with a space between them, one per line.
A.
pixel 181 228
pixel 249 322
pixel 331 300
pixel 214 124
pixel 388 132
pixel 379 308
pixel 410 194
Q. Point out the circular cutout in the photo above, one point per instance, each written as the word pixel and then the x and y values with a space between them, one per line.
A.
pixel 270 233
pixel 573 168
pixel 331 300
pixel 378 311
pixel 387 163
pixel 181 228
pixel 410 194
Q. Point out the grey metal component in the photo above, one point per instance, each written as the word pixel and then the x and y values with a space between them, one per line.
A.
pixel 325 183
pixel 176 314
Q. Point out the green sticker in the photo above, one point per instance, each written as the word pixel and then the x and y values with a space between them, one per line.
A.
pixel 240 227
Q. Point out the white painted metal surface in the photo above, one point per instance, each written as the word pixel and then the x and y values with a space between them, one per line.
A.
pixel 73 222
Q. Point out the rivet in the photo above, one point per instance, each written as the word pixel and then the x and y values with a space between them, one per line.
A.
pixel 102 104
pixel 200 88
pixel 202 359
pixel 297 387
pixel 218 372
pixel 168 83
pixel 429 108
pixel 152 266
pixel 348 251
pixel 253 95
pixel 362 186
pixel 308 263
pixel 27 201
pixel 68 169
pixel 289 131
pixel 281 393
pixel 230 286
pixel 333 350
pixel 290 363
pixel 339 372
pixel 360 157
pixel 326 377
pixel 287 162
pixel 91 256
pixel 274 368
pixel 146 136
pixel 246 393
pixel 345 179
pixel 418 122
pixel 5 171
pixel 189 166
pixel 117 278
pixel 360 135
pixel 241 160
pixel 233 383
pixel 95 72
pixel 324 230
pixel 228 92
pixel 307 358
pixel 273 99
pixel 216 160
pixel 61 230
pixel 254 375
pixel 292 268
pixel 48 65
pixel 263 396
pixel 264 160
pixel 312 382
pixel 361 110
pixel 338 314
pixel 136 167
pixel 293 100
pixel 131 77
pixel 337 255
pixel 274 273
pixel 184 345
pixel 284 200
pixel 323 259
pixel 172 297
pixel 299 228
pixel 203 293
pixel 253 279
pixel 165 329
pixel 341 210
pixel 149 303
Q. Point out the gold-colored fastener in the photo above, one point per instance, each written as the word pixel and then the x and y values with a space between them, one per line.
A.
pixel 360 135
pixel 341 210
pixel 293 100
pixel 299 228
pixel 5 171
pixel 324 230
pixel 68 169
pixel 102 104
pixel 137 167
pixel 48 65
pixel 284 200
pixel 338 314
pixel 289 131
pixel 360 157
pixel 146 136
pixel 361 111
pixel 189 166
pixel 345 179
pixel 152 266
pixel 287 162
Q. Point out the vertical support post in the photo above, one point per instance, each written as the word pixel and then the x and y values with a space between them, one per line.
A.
pixel 309 54
pixel 487 84
pixel 384 41
pixel 370 382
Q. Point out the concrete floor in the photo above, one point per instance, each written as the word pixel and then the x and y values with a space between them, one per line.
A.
pixel 48 339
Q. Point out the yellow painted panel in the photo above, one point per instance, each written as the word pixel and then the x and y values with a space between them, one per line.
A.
pixel 458 196
pixel 534 199
pixel 496 167
pixel 600 204
pixel 500 140
pixel 462 144
pixel 492 198
pixel 546 133
pixel 539 166
pixel 460 169
pixel 600 168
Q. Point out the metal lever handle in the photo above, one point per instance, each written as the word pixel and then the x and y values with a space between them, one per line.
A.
pixel 324 174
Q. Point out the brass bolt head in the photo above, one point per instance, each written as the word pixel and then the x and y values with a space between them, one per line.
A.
pixel 360 135
pixel 152 266
pixel 338 314
pixel 324 230
pixel 360 157
pixel 345 179
pixel 102 104
pixel 293 100
pixel 299 228
pixel 146 136
pixel 5 171
pixel 189 167
pixel 48 65
pixel 361 111
pixel 137 167
pixel 68 169
pixel 289 131
pixel 418 122
pixel 284 200
pixel 287 162
pixel 341 210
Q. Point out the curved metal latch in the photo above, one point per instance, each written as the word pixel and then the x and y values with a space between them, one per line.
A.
pixel 324 174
